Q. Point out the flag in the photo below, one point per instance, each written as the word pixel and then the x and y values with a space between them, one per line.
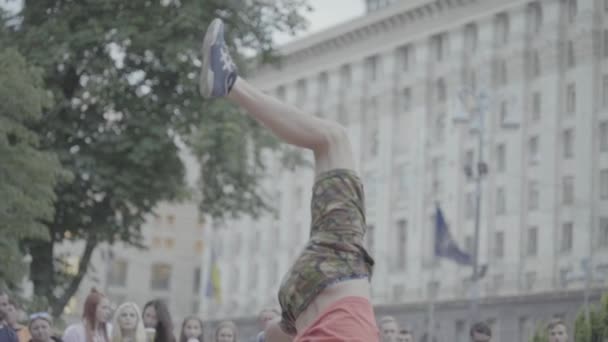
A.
pixel 214 288
pixel 445 246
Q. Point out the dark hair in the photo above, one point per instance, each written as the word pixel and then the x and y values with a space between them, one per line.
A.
pixel 481 328
pixel 182 335
pixel 555 322
pixel 164 325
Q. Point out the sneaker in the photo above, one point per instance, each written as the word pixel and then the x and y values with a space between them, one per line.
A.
pixel 218 72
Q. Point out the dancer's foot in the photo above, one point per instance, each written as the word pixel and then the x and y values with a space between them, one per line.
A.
pixel 218 72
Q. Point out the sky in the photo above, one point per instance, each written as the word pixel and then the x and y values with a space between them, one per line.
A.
pixel 325 14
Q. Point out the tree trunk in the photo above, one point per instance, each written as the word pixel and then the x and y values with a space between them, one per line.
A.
pixel 43 270
pixel 83 265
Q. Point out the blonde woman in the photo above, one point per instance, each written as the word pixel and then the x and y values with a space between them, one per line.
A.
pixel 128 325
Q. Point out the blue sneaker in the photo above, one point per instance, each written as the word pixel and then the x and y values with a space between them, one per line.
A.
pixel 218 72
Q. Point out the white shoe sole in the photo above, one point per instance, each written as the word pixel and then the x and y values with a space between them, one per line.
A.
pixel 206 76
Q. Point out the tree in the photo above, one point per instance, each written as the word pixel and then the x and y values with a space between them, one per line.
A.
pixel 28 174
pixel 124 78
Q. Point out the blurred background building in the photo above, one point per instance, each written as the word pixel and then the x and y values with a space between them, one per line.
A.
pixel 392 77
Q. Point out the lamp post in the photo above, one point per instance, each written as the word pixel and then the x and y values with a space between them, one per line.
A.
pixel 474 107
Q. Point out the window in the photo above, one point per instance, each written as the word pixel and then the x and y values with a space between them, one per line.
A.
pixel 526 328
pixel 117 273
pixel 533 195
pixel 535 17
pixel 157 242
pixel 440 127
pixel 604 184
pixel 253 276
pixel 323 88
pixel 171 219
pixel 535 67
pixel 532 247
pixel 462 333
pixel 196 280
pixel 439 43
pixel 370 239
pixel 567 234
pixel 372 127
pixel 501 157
pixel 570 99
pixel 572 10
pixel 500 72
pixel 469 244
pixel 502 28
pixel 160 277
pixel 501 205
pixel 406 99
pixel 470 205
pixel 568 143
pixel 301 92
pixel 605 90
pixel 436 174
pixel 606 43
pixel 499 245
pixel 568 190
pixel 255 243
pixel 533 150
pixel 169 243
pixel 371 68
pixel 504 112
pixel 570 55
pixel 440 88
pixel 536 106
pixel 345 77
pixel 198 247
pixel 471 80
pixel 405 57
pixel 402 244
pixel 603 136
pixel 469 158
pixel 470 37
pixel 603 232
pixel 399 185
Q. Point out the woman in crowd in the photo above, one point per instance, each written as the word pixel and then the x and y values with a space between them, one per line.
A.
pixel 156 316
pixel 192 330
pixel 40 328
pixel 128 325
pixel 93 327
pixel 226 332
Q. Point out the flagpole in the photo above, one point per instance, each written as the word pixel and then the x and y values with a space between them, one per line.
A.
pixel 431 323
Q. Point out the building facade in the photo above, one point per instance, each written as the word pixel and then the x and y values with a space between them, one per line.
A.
pixel 393 78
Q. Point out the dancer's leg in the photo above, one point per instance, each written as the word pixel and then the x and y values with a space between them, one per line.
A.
pixel 328 140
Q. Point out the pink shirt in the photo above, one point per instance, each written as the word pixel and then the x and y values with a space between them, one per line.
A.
pixel 348 319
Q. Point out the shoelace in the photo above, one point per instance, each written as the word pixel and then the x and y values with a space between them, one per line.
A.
pixel 227 63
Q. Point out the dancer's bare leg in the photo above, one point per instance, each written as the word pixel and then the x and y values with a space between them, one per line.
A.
pixel 326 139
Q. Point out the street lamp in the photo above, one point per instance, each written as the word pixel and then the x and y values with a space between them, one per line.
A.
pixel 473 110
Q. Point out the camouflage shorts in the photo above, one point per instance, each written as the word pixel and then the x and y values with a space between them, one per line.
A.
pixel 335 250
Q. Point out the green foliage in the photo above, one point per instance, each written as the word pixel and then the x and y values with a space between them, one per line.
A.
pixel 540 335
pixel 123 75
pixel 28 173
